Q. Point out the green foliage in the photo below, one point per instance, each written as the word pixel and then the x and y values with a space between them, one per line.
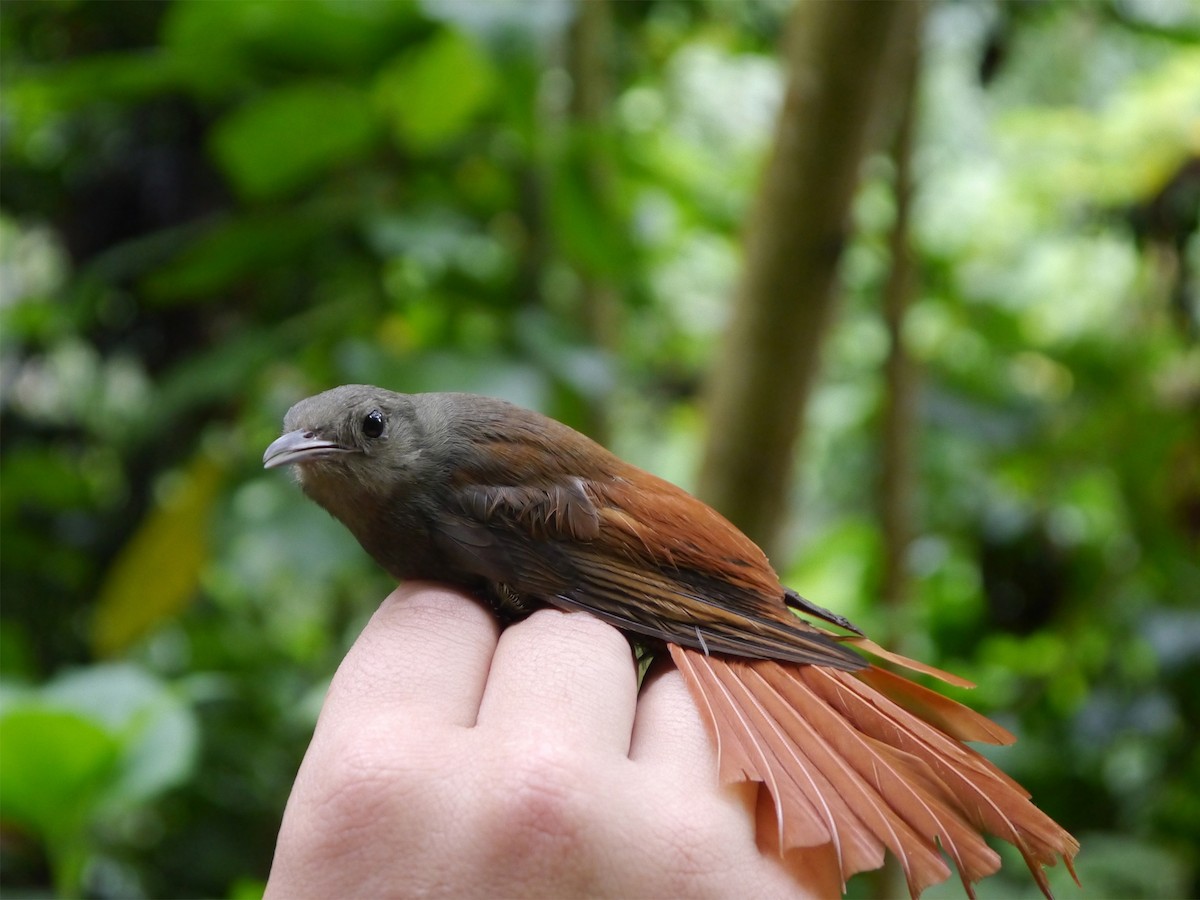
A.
pixel 210 209
pixel 85 750
pixel 430 94
pixel 268 148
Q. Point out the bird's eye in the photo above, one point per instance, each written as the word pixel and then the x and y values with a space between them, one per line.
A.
pixel 372 425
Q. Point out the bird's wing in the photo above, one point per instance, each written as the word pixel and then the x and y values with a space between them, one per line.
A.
pixel 646 557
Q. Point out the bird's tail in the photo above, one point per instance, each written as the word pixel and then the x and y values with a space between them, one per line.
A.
pixel 869 761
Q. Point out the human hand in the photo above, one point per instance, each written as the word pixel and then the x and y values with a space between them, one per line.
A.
pixel 452 760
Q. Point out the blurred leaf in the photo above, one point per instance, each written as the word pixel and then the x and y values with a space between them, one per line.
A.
pixel 223 41
pixel 590 234
pixel 54 765
pixel 157 572
pixel 233 250
pixel 157 730
pixel 95 741
pixel 288 137
pixel 247 889
pixel 430 94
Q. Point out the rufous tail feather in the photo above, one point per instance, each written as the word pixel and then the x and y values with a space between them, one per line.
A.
pixel 869 762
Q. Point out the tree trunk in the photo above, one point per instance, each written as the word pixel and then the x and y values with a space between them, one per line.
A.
pixel 842 61
pixel 898 431
pixel 591 109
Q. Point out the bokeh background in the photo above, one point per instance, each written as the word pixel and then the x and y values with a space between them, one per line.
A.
pixel 209 210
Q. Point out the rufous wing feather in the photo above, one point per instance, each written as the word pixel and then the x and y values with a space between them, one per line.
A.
pixel 869 762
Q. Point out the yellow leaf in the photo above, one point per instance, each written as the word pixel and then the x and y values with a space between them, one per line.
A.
pixel 155 575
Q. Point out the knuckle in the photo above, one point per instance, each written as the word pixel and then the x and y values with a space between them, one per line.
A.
pixel 354 791
pixel 540 805
pixel 362 788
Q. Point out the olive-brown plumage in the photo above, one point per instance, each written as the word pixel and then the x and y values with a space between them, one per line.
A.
pixel 528 512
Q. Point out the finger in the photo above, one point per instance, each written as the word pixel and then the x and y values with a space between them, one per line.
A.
pixel 670 735
pixel 668 731
pixel 565 672
pixel 428 648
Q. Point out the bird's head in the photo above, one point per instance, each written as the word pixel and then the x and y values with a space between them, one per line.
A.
pixel 352 439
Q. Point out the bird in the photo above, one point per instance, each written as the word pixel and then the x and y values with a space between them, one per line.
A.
pixel 526 512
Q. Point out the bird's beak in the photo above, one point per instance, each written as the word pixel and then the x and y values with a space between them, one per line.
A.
pixel 299 446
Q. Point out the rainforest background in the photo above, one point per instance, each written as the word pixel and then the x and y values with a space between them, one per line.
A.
pixel 980 435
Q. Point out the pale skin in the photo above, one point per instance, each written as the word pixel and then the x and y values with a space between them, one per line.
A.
pixel 453 760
